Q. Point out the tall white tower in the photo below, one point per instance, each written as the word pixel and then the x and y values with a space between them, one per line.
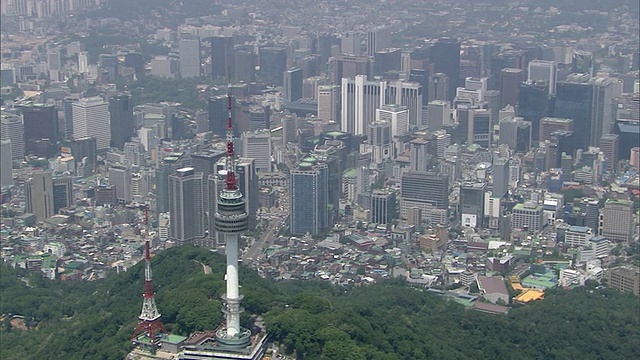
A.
pixel 231 219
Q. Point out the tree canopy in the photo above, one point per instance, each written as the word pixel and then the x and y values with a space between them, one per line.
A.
pixel 313 320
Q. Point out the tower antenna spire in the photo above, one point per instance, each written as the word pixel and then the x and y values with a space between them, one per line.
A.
pixel 150 323
pixel 230 163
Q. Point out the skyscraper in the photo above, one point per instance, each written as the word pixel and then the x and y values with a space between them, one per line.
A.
pixel 40 129
pixel 379 137
pixel 293 84
pixel 378 39
pixel 85 154
pixel 438 114
pixel 329 102
pixel 574 101
pixel 387 60
pixel 189 52
pixel 273 61
pixel 222 58
pixel 350 43
pixel 616 221
pixel 439 87
pixel 408 94
pixel 383 207
pixel 605 93
pixel 549 125
pixel 534 104
pixel 419 155
pixel 510 80
pixel 249 187
pixel 427 191
pixel 582 62
pixel 120 179
pixel 218 114
pixel 39 195
pixel 472 204
pixel 609 145
pixel 6 163
pixel 500 177
pixel 445 55
pixel 360 99
pixel 91 119
pixel 257 145
pixel 12 128
pixel 397 115
pixel 168 166
pixel 245 66
pixel 348 66
pixel 185 206
pixel 111 65
pixel 309 198
pixel 62 191
pixel 543 70
pixel 121 120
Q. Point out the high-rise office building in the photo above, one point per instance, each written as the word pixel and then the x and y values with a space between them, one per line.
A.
pixel 168 166
pixel 500 177
pixel 378 39
pixel 245 66
pixel 471 205
pixel 185 207
pixel 62 191
pixel 350 43
pixel 427 191
pixel 12 128
pixel 387 60
pixel 121 120
pixel 383 207
pixel 257 145
pixel 477 123
pixel 379 137
pixel 609 145
pixel 120 179
pixel 218 114
pixel 189 52
pixel 40 129
pixel 111 65
pixel 510 80
pixel 222 58
pixel 408 94
pixel 309 199
pixel 249 187
pixel 419 155
pixel 534 104
pixel 438 87
pixel 438 114
pixel 273 62
pixel 574 101
pixel 360 99
pixel 204 162
pixel 6 163
pixel 259 118
pixel 543 70
pixel 528 216
pixel 134 154
pixel 582 62
pixel 348 66
pixel 293 84
pixel 85 154
pixel 616 221
pixel 549 125
pixel 397 115
pixel 604 103
pixel 91 119
pixel 54 63
pixel 39 195
pixel 445 55
pixel 329 102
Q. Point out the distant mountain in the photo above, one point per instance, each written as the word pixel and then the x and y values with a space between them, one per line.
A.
pixel 389 320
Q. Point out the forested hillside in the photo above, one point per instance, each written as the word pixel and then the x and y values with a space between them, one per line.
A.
pixel 313 320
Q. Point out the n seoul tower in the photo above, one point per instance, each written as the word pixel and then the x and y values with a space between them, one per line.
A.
pixel 231 219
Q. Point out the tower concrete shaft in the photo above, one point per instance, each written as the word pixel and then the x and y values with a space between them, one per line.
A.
pixel 231 219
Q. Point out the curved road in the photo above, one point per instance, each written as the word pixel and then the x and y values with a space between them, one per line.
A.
pixel 255 251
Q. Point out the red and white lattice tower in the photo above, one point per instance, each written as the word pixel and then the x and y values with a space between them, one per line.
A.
pixel 150 323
